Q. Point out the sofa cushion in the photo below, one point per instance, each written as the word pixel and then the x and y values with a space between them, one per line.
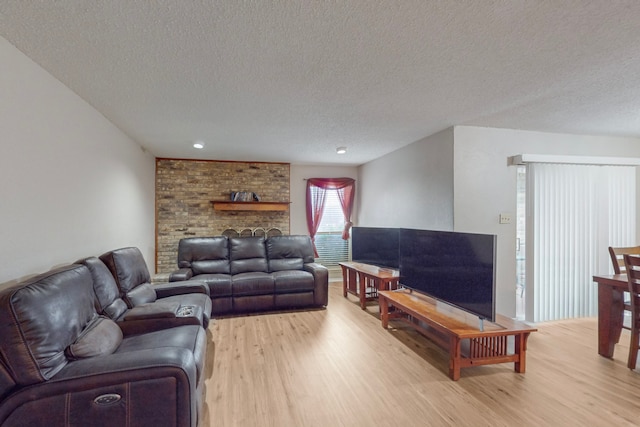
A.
pixel 105 287
pixel 128 268
pixel 40 317
pixel 204 255
pixel 210 266
pixel 107 292
pixel 101 336
pixel 293 281
pixel 288 252
pixel 219 284
pixel 253 283
pixel 248 254
pixel 285 264
pixel 189 337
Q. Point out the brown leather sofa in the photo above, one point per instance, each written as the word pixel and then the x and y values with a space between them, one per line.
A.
pixel 248 274
pixel 62 363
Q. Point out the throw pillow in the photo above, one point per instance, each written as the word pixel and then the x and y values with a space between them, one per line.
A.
pixel 101 336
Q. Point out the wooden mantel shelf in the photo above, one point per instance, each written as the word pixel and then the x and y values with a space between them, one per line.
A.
pixel 227 205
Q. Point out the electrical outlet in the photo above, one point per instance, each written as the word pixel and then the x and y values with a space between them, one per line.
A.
pixel 505 218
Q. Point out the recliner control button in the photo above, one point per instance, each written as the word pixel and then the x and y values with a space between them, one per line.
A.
pixel 107 399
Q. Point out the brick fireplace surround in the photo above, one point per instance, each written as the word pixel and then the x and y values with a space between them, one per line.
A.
pixel 186 188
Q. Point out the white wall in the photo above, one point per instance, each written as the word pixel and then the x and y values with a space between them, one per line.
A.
pixel 73 185
pixel 460 179
pixel 485 185
pixel 298 176
pixel 411 187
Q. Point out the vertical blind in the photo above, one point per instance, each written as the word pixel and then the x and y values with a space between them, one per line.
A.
pixel 574 212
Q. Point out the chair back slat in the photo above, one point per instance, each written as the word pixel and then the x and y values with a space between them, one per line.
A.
pixel 632 265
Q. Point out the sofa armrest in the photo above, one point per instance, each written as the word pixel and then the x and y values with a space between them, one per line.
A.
pixel 180 275
pixel 128 363
pixel 164 290
pixel 141 388
pixel 321 278
pixel 157 310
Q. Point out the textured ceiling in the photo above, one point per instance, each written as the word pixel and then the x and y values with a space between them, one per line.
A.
pixel 291 80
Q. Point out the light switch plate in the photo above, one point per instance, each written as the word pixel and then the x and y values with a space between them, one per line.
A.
pixel 505 218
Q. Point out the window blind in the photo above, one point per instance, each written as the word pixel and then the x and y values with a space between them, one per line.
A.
pixel 574 212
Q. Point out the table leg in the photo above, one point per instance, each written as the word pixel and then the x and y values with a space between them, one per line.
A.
pixel 610 310
pixel 362 283
pixel 384 311
pixel 345 277
pixel 353 282
pixel 521 350
pixel 454 358
pixel 618 310
pixel 388 286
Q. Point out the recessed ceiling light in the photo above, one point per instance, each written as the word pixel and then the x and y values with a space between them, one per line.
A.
pixel 199 145
pixel 341 150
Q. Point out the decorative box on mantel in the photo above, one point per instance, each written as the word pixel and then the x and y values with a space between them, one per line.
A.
pixel 227 205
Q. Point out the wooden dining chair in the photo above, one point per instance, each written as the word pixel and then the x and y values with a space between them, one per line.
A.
pixel 632 265
pixel 617 259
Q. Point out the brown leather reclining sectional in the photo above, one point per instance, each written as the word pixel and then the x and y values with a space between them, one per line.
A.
pixel 80 346
pixel 94 344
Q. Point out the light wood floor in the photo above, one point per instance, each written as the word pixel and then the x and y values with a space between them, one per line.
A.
pixel 338 367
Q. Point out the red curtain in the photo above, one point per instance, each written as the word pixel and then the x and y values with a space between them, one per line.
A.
pixel 315 202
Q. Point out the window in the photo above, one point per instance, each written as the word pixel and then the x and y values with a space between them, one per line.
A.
pixel 331 248
pixel 329 205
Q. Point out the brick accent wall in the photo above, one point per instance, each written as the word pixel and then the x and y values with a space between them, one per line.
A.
pixel 185 189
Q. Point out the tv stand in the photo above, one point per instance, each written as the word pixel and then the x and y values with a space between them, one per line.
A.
pixel 467 345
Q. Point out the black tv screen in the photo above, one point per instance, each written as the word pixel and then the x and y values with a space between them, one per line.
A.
pixel 375 245
pixel 456 268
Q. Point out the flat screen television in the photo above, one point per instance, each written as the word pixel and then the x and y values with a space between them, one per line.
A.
pixel 456 268
pixel 376 246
